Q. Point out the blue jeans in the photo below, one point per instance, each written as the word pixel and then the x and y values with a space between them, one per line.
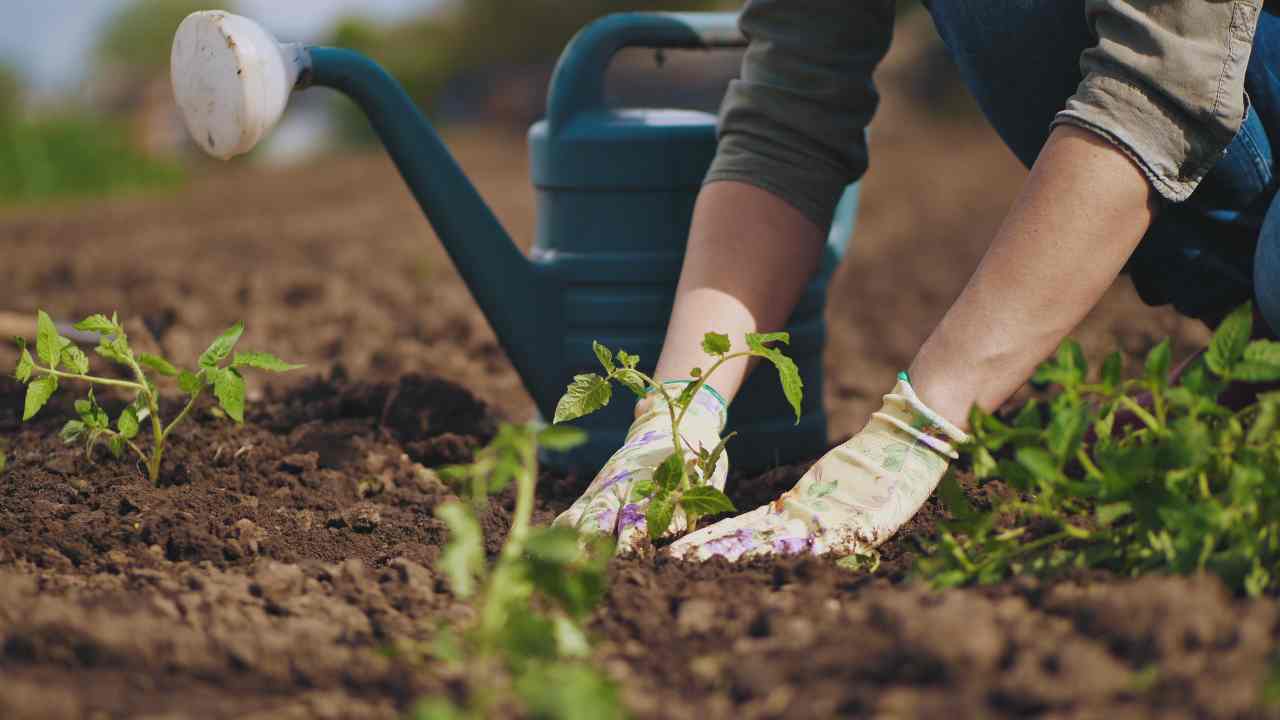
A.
pixel 1204 256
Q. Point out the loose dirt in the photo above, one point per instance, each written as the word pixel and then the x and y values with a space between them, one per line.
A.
pixel 278 560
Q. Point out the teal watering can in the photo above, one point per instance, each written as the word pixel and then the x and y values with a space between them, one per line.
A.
pixel 615 195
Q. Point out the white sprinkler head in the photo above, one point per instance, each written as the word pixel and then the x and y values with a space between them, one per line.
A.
pixel 232 80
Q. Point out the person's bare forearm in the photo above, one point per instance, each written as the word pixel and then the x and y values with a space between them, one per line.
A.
pixel 1079 217
pixel 750 256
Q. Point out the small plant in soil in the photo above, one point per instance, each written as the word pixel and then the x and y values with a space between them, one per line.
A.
pixel 1131 476
pixel 525 645
pixel 677 482
pixel 58 359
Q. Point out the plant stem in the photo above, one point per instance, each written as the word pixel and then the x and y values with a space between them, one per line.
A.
pixel 1141 412
pixel 157 428
pixel 90 378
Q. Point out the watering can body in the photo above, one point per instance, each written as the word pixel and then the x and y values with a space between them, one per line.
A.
pixel 615 194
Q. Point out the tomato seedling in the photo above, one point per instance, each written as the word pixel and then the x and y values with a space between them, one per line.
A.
pixel 1186 485
pixel 58 358
pixel 526 642
pixel 678 483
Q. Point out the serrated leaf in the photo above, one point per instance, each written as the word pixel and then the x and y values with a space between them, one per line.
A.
pixel 1157 364
pixel 561 438
pixel 97 323
pixel 627 360
pixel 585 395
pixel 662 508
pixel 47 345
pixel 1255 372
pixel 463 557
pixel 116 350
pixel 25 365
pixel 1230 339
pixel 712 458
pixel 263 361
pixel 788 373
pixel 222 346
pixel 669 473
pixel 157 363
pixel 73 431
pixel 631 380
pixel 190 383
pixel 717 344
pixel 706 500
pixel 127 423
pixel 228 387
pixel 75 359
pixel 38 393
pixel 604 355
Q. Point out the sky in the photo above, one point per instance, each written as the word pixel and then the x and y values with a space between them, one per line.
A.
pixel 48 39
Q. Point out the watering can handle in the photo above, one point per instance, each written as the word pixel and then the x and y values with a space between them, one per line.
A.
pixel 578 82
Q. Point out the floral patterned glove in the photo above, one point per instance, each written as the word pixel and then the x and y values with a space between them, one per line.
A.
pixel 607 506
pixel 853 499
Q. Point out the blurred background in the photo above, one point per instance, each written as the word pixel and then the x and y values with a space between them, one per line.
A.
pixel 86 106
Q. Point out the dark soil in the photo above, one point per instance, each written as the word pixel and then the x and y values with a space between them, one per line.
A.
pixel 267 574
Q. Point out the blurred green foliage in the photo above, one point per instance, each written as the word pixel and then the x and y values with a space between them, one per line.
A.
pixel 10 91
pixel 74 155
pixel 470 35
pixel 140 36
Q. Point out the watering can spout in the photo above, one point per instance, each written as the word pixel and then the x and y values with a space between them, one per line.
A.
pixel 232 76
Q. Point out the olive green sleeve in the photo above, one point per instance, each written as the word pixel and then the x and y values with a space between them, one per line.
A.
pixel 794 123
pixel 1165 83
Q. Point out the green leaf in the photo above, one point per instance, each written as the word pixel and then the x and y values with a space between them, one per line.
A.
pixel 1039 463
pixel 438 709
pixel 667 476
pixel 1108 514
pixel 4 461
pixel 116 445
pixel 706 500
pixel 190 383
pixel 127 423
pixel 631 380
pixel 222 347
pixel 788 373
pixel 25 364
pixel 157 363
pixel 1261 362
pixel 662 508
pixel 555 545
pixel 73 431
pixel 75 359
pixel 627 360
pixel 568 691
pixel 47 339
pixel 1112 368
pixel 714 343
pixel 604 355
pixel 642 489
pixel 97 323
pixel 38 393
pixel 585 395
pixel 462 560
pixel 1230 340
pixel 1157 365
pixel 116 350
pixel 561 438
pixel 228 387
pixel 263 361
pixel 713 458
pixel 1065 430
pixel 954 499
pixel 92 413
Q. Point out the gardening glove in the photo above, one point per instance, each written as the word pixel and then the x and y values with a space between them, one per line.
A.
pixel 851 500
pixel 607 506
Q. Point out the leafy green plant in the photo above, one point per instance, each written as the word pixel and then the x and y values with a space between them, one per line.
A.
pixel 677 483
pixel 526 642
pixel 1182 484
pixel 58 358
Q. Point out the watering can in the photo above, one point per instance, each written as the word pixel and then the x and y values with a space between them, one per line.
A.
pixel 615 195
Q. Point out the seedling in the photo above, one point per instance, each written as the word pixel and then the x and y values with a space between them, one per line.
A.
pixel 526 642
pixel 1189 485
pixel 62 360
pixel 678 483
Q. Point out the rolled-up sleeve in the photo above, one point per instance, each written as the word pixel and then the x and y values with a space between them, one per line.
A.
pixel 793 123
pixel 1165 83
